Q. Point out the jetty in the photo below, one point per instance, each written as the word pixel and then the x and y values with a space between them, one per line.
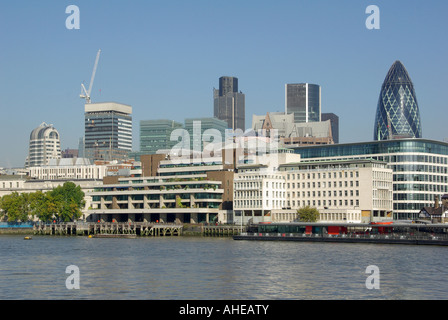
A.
pixel 393 233
pixel 109 229
pixel 222 230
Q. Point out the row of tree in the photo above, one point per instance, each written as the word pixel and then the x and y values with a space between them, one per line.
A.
pixel 63 203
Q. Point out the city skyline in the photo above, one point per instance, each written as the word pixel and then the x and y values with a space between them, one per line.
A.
pixel 164 60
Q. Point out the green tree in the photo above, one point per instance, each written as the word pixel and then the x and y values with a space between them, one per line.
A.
pixel 37 203
pixel 63 203
pixel 308 214
pixel 68 200
pixel 46 207
pixel 16 206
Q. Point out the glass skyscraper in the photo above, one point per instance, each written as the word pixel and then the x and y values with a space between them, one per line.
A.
pixel 303 99
pixel 204 130
pixel 108 131
pixel 397 114
pixel 156 135
pixel 229 103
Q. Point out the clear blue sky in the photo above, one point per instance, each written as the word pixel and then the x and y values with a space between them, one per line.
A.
pixel 164 58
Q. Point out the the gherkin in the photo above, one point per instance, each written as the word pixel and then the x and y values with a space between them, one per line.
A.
pixel 397 114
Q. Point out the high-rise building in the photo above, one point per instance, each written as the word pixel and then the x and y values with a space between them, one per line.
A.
pixel 229 103
pixel 397 113
pixel 156 135
pixel 108 131
pixel 304 100
pixel 81 147
pixel 334 119
pixel 45 144
pixel 205 130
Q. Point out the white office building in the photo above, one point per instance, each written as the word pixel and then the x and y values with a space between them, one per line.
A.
pixel 69 168
pixel 44 145
pixel 343 191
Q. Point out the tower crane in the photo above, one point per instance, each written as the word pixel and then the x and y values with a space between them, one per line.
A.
pixel 85 94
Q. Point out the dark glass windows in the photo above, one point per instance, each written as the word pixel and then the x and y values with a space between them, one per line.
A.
pixel 397 114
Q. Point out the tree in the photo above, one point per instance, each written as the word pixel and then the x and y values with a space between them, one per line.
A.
pixel 49 208
pixel 63 203
pixel 37 203
pixel 16 206
pixel 308 214
pixel 69 200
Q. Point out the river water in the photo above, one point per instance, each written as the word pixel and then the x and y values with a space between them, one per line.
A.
pixel 216 268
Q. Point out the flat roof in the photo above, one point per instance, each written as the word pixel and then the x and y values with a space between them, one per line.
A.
pixel 107 106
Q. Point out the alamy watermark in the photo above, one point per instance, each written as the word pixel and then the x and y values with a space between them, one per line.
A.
pixel 72 281
pixel 373 280
pixel 373 20
pixel 230 147
pixel 73 20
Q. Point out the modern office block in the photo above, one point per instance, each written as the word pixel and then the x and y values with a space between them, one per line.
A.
pixel 229 103
pixel 188 193
pixel 334 119
pixel 156 135
pixel 205 130
pixel 397 114
pixel 108 131
pixel 45 144
pixel 363 185
pixel 304 100
pixel 420 168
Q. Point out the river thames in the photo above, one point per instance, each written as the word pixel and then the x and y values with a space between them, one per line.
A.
pixel 212 268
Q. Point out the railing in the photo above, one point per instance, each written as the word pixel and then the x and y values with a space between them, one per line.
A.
pixel 82 223
pixel 16 224
pixel 411 237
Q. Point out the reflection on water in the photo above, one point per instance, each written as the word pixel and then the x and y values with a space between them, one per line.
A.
pixel 216 268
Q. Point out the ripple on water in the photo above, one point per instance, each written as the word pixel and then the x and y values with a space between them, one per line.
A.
pixel 216 268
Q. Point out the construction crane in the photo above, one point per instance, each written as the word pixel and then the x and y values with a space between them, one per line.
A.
pixel 85 94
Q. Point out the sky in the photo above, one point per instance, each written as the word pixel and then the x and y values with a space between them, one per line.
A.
pixel 165 57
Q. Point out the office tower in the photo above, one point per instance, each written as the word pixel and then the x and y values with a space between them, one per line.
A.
pixel 229 104
pixel 205 130
pixel 156 135
pixel 334 119
pixel 397 113
pixel 45 144
pixel 304 100
pixel 108 131
pixel 81 147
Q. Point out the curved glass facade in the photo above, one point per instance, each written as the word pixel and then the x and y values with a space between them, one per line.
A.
pixel 419 166
pixel 397 114
pixel 374 147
